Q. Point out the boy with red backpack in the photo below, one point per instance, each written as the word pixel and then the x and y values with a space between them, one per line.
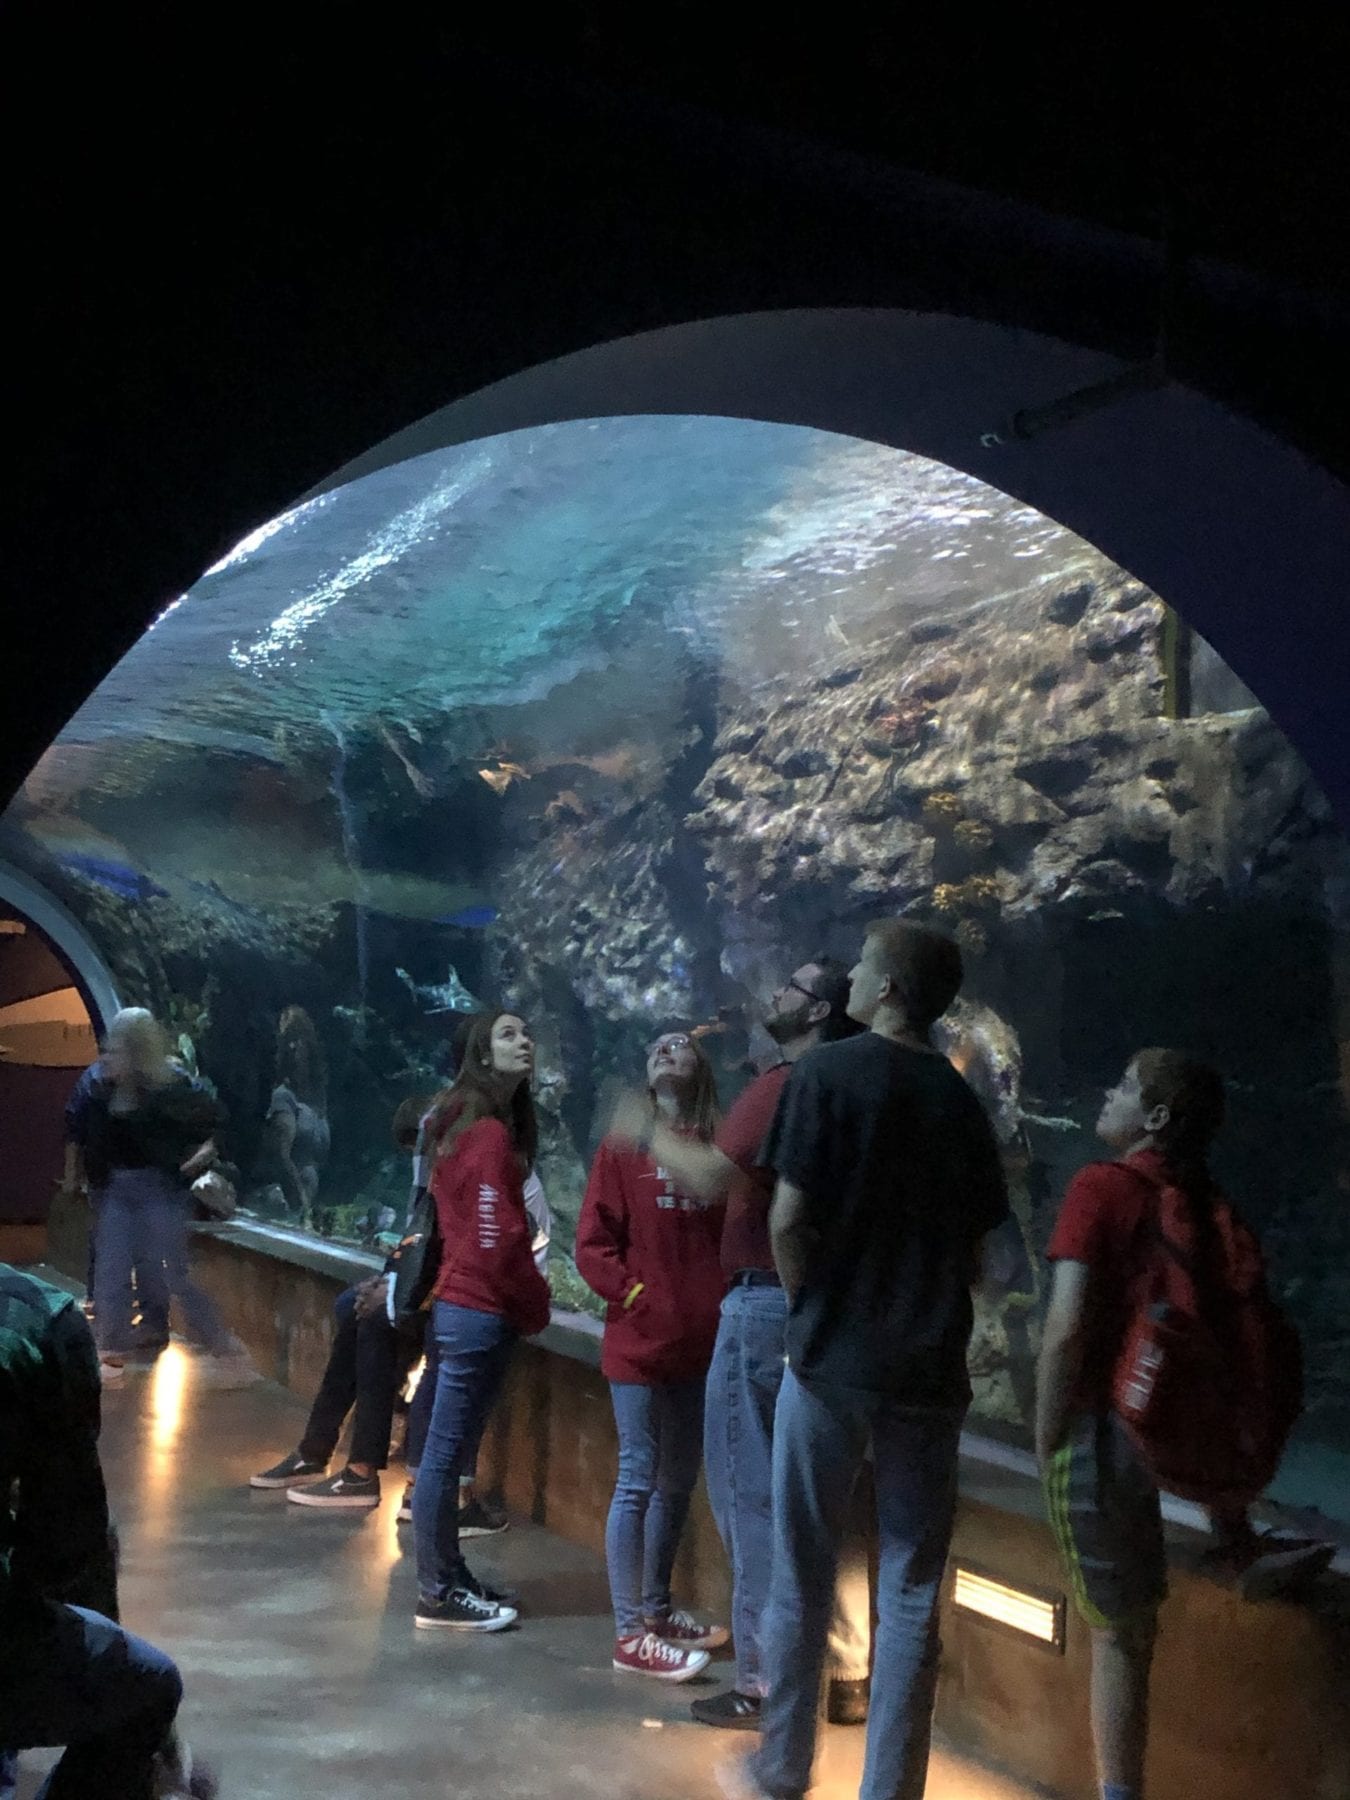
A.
pixel 1165 1365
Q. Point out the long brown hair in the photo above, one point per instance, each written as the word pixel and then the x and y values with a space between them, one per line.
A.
pixel 699 1107
pixel 1192 1092
pixel 474 1095
pixel 301 1064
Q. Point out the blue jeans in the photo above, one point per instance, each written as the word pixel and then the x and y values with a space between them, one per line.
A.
pixel 820 1440
pixel 151 1299
pixel 419 1412
pixel 110 1698
pixel 475 1348
pixel 660 1445
pixel 143 1228
pixel 743 1383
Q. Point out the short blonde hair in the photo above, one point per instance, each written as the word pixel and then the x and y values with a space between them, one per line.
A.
pixel 924 966
pixel 136 1031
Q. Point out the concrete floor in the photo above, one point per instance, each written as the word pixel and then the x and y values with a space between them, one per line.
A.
pixel 305 1677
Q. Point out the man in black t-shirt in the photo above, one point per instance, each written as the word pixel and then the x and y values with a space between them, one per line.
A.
pixel 888 1178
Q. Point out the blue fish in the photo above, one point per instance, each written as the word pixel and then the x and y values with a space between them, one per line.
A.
pixel 116 877
pixel 471 918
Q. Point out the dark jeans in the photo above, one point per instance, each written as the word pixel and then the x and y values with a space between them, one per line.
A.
pixel 743 1383
pixel 365 1367
pixel 819 1443
pixel 110 1698
pixel 142 1229
pixel 660 1446
pixel 419 1413
pixel 475 1348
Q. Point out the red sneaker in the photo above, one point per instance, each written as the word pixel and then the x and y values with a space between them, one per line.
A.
pixel 682 1628
pixel 646 1654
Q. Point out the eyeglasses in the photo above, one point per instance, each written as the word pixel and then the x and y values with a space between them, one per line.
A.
pixel 800 989
pixel 680 1040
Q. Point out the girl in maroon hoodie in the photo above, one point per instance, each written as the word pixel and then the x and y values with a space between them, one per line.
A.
pixel 488 1293
pixel 651 1251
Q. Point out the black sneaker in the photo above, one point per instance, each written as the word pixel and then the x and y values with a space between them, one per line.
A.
pixel 344 1489
pixel 1264 1565
pixel 291 1468
pixel 500 1596
pixel 463 1611
pixel 405 1504
pixel 732 1711
pixel 478 1519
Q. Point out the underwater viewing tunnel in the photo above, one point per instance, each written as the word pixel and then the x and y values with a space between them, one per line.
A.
pixel 617 716
pixel 616 692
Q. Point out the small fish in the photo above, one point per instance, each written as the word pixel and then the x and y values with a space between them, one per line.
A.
pixel 471 918
pixel 451 995
pixel 422 784
pixel 503 777
pixel 1107 912
pixel 116 877
pixel 566 805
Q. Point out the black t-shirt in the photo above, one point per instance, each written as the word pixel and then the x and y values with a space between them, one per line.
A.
pixel 902 1176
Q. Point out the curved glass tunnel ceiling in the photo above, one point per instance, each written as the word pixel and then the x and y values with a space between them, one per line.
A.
pixel 623 718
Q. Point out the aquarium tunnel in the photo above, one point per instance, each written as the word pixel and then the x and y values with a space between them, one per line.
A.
pixel 616 719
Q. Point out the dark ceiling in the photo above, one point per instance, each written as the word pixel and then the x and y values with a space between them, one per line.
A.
pixel 245 246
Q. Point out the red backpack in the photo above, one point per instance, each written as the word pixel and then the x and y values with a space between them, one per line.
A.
pixel 1209 1380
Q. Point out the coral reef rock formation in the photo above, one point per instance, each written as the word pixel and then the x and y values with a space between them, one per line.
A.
pixel 1022 763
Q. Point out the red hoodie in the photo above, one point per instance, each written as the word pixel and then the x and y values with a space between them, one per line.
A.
pixel 486 1261
pixel 636 1227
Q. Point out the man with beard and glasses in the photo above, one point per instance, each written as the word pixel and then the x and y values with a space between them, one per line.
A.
pixel 747 1367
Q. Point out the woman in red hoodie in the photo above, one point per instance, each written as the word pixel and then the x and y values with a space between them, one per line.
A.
pixel 488 1293
pixel 651 1251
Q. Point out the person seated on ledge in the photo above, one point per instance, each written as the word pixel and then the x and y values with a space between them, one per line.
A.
pixel 489 1292
pixel 70 1676
pixel 650 1249
pixel 810 1008
pixel 367 1365
pixel 1104 1505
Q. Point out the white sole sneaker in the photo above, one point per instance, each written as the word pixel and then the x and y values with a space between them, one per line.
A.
pixel 504 1617
pixel 299 1496
pixel 697 1663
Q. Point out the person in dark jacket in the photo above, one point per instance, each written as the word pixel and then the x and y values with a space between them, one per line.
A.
pixel 149 1134
pixel 651 1249
pixel 489 1293
pixel 69 1674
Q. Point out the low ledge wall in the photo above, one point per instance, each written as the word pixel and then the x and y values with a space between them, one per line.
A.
pixel 1250 1702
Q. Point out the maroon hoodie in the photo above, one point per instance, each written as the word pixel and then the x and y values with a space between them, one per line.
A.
pixel 486 1261
pixel 637 1228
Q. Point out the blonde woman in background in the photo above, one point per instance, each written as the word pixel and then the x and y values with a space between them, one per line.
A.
pixel 147 1135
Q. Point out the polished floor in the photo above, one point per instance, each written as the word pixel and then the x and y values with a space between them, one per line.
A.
pixel 305 1677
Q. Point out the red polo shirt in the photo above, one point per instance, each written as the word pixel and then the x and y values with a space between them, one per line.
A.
pixel 745 1237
